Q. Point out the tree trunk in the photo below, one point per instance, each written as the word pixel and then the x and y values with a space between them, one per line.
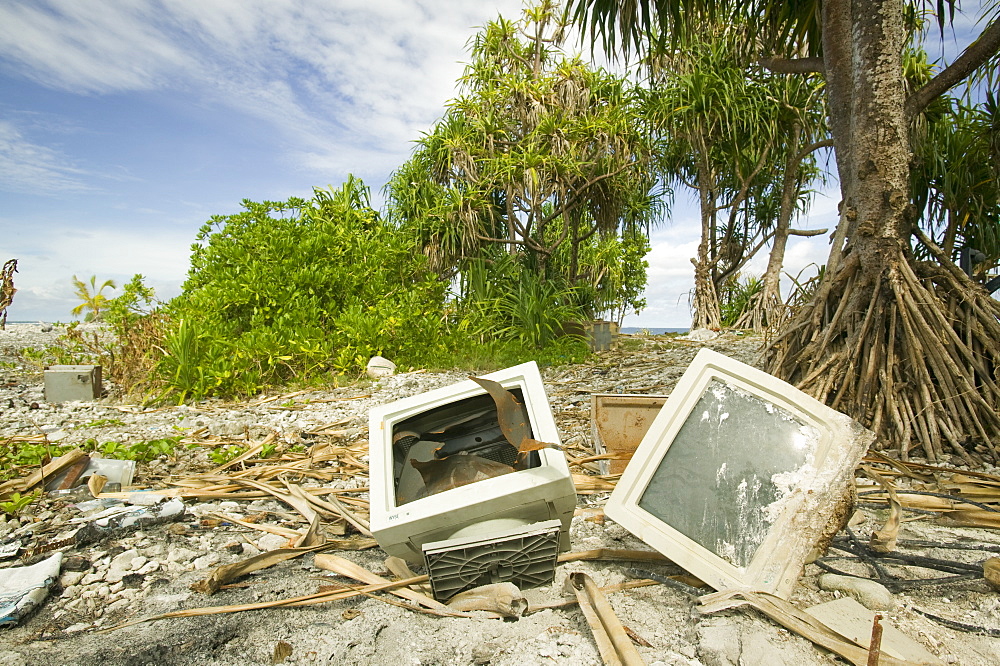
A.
pixel 707 312
pixel 768 310
pixel 908 349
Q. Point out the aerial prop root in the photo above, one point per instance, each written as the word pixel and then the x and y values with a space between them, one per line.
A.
pixel 914 360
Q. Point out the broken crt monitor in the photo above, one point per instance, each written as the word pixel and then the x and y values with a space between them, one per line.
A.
pixel 739 477
pixel 446 479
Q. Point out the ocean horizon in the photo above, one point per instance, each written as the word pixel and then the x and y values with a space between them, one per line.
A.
pixel 651 330
pixel 627 330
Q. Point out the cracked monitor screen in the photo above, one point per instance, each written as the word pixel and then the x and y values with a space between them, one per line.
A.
pixel 722 479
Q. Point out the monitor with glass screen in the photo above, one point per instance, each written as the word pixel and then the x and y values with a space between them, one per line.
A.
pixel 738 475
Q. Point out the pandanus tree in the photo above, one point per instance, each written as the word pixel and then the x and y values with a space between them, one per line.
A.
pixel 538 158
pixel 956 183
pixel 906 346
pixel 803 123
pixel 742 139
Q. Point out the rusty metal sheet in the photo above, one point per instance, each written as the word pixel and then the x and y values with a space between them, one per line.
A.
pixel 618 422
pixel 513 417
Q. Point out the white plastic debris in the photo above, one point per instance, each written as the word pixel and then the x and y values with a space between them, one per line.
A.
pixel 702 335
pixel 380 367
pixel 116 517
pixel 24 588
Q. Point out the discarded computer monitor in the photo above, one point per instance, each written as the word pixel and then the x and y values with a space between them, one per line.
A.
pixel 739 476
pixel 506 524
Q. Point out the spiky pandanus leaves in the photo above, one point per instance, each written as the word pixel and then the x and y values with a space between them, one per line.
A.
pixel 732 128
pixel 537 152
pixel 93 299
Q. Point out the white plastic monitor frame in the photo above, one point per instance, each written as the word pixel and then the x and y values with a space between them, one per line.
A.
pixel 805 510
pixel 515 499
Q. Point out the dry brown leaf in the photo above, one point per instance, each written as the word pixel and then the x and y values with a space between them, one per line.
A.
pixel 42 474
pixel 613 643
pixel 229 572
pixel 796 620
pixel 347 568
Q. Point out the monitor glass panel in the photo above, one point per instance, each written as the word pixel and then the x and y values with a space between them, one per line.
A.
pixel 714 488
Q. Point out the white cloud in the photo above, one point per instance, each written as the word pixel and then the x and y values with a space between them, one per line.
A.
pixel 28 167
pixel 44 277
pixel 89 47
pixel 346 82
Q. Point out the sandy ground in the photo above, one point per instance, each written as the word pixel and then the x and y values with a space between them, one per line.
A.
pixel 139 574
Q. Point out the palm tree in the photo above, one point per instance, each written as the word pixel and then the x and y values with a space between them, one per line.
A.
pixel 906 347
pixel 93 297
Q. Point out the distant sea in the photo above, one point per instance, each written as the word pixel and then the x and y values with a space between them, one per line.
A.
pixel 632 330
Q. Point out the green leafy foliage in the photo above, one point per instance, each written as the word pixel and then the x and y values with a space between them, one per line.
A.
pixel 136 324
pixel 16 502
pixel 542 159
pixel 140 451
pixel 505 303
pixel 224 454
pixel 104 423
pixel 285 291
pixel 267 450
pixel 737 297
pixel 955 179
pixel 15 455
pixel 537 311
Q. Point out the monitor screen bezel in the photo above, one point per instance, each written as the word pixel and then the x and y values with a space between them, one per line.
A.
pixel 778 560
pixel 500 491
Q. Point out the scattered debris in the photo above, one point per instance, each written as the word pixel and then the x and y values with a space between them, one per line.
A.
pixel 702 335
pixel 798 621
pixel 282 651
pixel 229 572
pixel 617 425
pixel 853 621
pixel 379 367
pixel 287 493
pixel 740 476
pixel 612 641
pixel 24 588
pixel 466 467
pixel 871 594
pixel 64 383
pixel 502 598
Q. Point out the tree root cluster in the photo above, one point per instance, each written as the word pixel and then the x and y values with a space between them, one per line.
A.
pixel 767 312
pixel 911 351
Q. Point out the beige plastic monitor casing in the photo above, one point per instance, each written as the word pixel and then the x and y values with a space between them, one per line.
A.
pixel 806 509
pixel 478 509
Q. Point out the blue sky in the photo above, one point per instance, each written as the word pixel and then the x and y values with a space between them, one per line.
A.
pixel 126 124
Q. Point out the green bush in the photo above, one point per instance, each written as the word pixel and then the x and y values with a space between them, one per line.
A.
pixel 287 290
